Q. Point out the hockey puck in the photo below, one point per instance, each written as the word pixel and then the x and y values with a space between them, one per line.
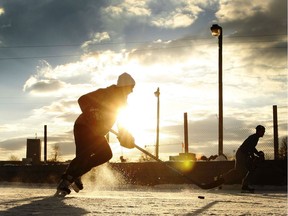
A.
pixel 201 197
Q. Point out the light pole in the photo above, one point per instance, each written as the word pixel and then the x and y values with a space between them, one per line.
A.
pixel 157 94
pixel 217 31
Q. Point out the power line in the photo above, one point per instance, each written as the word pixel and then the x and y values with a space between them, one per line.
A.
pixel 162 47
pixel 192 38
pixel 138 50
pixel 39 57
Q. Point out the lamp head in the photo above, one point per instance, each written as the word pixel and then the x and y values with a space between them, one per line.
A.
pixel 216 30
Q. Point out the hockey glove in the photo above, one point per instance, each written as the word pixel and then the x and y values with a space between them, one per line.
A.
pixel 126 139
pixel 261 156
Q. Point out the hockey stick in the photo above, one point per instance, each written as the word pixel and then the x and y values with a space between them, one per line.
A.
pixel 205 186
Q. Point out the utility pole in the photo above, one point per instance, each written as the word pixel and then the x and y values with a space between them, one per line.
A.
pixel 157 94
pixel 218 32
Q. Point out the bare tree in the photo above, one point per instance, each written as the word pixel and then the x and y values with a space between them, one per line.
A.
pixel 283 148
pixel 55 153
pixel 13 158
pixel 145 157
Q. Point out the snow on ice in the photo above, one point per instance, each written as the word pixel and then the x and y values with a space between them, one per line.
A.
pixel 24 199
pixel 107 194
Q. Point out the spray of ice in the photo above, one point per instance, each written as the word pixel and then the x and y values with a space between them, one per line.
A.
pixel 103 177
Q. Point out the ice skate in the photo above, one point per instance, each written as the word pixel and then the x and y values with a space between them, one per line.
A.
pixel 77 185
pixel 63 188
pixel 62 192
pixel 247 189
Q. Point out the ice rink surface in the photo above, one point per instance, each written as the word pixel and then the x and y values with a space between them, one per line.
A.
pixel 24 199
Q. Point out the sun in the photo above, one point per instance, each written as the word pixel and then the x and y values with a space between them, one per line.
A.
pixel 139 117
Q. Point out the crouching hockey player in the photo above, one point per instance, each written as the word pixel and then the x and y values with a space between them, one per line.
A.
pixel 247 160
pixel 99 113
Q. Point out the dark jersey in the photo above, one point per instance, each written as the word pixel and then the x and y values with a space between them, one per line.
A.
pixel 249 145
pixel 100 108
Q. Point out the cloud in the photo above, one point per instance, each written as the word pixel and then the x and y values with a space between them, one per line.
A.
pixel 96 38
pixel 13 144
pixel 60 23
pixel 178 51
pixel 173 20
pixel 129 8
pixel 247 18
pixel 237 10
pixel 203 134
pixel 176 14
pixel 72 78
pixel 17 146
pixel 43 86
pixel 164 14
pixel 58 115
pixel 43 82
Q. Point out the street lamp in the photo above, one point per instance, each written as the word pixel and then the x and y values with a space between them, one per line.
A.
pixel 217 31
pixel 157 94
